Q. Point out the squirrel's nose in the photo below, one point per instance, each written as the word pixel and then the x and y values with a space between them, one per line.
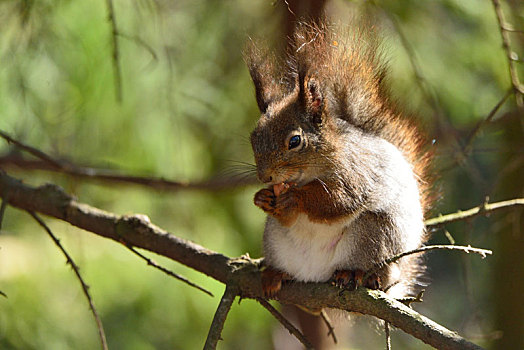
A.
pixel 265 176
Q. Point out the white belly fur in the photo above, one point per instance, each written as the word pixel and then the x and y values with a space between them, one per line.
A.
pixel 308 251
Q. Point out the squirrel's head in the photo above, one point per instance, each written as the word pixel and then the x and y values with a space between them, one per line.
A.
pixel 329 84
pixel 288 141
pixel 326 108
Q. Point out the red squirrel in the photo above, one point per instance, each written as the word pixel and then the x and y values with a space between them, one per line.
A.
pixel 343 168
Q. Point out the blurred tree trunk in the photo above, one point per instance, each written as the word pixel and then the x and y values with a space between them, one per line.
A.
pixel 509 266
pixel 509 258
pixel 297 10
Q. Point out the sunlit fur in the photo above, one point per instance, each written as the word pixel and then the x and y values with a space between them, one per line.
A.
pixel 365 155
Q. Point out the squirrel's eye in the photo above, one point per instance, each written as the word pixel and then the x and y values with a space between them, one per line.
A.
pixel 294 142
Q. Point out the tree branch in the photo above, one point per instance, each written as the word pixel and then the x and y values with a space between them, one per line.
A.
pixel 483 209
pixel 517 86
pixel 244 271
pixel 49 163
pixel 220 317
pixel 217 183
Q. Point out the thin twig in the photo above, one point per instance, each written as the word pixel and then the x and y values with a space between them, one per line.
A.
pixel 75 268
pixel 466 150
pixel 3 205
pixel 467 249
pixel 288 325
pixel 117 73
pixel 483 209
pixel 417 70
pixel 166 271
pixel 48 163
pixel 327 322
pixel 469 143
pixel 3 294
pixel 31 150
pixel 517 87
pixel 388 335
pixel 289 8
pixel 219 319
pixel 141 42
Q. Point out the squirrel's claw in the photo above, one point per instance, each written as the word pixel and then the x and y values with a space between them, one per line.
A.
pixel 344 279
pixel 271 282
pixel 265 199
pixel 352 279
pixel 283 207
pixel 372 282
pixel 286 208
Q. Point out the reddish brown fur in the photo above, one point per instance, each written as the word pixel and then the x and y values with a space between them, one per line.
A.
pixel 328 77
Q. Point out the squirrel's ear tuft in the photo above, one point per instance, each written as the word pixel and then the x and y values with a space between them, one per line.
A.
pixel 313 99
pixel 261 65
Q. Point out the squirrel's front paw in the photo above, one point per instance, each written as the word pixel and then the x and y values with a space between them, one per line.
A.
pixel 283 207
pixel 265 199
pixel 286 207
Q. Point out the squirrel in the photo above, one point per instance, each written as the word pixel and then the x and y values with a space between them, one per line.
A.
pixel 344 169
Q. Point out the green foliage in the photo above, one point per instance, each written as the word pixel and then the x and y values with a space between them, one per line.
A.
pixel 187 111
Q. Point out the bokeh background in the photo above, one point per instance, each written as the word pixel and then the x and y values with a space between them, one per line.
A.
pixel 186 112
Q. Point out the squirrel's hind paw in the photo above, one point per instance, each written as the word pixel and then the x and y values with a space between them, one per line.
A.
pixel 352 279
pixel 271 282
